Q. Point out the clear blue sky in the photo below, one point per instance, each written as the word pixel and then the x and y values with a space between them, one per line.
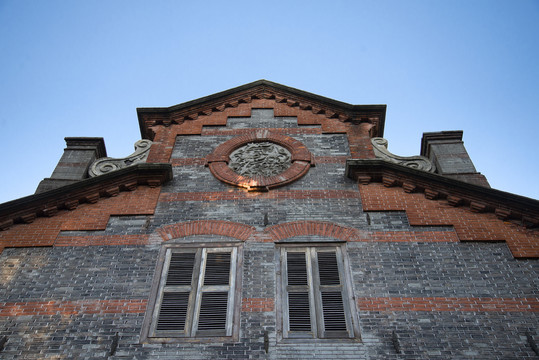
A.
pixel 81 68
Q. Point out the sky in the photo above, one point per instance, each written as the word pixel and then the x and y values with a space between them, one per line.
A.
pixel 81 68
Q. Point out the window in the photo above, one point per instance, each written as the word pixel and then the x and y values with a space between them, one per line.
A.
pixel 196 295
pixel 315 293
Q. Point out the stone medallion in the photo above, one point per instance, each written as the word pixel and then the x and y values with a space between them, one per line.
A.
pixel 260 159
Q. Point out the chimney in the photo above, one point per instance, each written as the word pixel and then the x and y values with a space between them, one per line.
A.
pixel 446 150
pixel 73 166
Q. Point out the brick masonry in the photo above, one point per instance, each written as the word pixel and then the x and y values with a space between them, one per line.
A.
pixel 430 281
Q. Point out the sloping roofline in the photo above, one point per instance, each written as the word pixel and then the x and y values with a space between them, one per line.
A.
pixel 344 111
pixel 89 190
pixel 505 205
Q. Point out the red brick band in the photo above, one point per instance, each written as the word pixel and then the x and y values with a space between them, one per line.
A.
pixel 257 304
pixel 330 159
pixel 137 306
pixel 288 131
pixel 276 194
pixel 75 307
pixel 411 236
pixel 96 240
pixel 271 234
pixel 469 226
pixel 448 304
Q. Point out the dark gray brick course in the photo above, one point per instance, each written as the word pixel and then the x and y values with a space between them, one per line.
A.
pixel 441 269
pixel 75 273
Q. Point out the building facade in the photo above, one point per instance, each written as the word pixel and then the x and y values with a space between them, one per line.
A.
pixel 265 222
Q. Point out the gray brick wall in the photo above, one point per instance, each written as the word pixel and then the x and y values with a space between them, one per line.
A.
pixel 378 269
pixel 382 269
pixel 75 273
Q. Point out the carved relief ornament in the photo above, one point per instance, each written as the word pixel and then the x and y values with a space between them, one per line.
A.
pixel 417 162
pixel 260 160
pixel 106 165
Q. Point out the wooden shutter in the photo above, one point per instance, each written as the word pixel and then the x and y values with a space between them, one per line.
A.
pixel 176 290
pixel 333 316
pixel 216 292
pixel 196 293
pixel 314 293
pixel 298 289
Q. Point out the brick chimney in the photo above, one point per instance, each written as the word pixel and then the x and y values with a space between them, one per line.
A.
pixel 73 166
pixel 446 150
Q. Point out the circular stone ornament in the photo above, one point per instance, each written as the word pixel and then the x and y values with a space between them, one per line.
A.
pixel 260 160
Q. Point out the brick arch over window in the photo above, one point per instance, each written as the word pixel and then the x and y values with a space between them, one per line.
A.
pixel 207 227
pixel 305 228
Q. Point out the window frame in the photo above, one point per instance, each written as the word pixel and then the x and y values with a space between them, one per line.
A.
pixel 315 290
pixel 191 333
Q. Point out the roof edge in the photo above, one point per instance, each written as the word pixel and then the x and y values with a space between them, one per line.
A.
pixel 221 96
pixel 505 205
pixel 26 209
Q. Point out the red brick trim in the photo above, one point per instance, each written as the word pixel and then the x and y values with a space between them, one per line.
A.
pixel 390 236
pixel 97 240
pixel 241 195
pixel 301 158
pixel 287 131
pixel 469 226
pixel 76 307
pixel 304 228
pixel 257 304
pixel 207 227
pixel 448 304
pixel 477 199
pixel 344 233
pixel 262 94
pixel 69 197
pixel 330 159
pixel 411 236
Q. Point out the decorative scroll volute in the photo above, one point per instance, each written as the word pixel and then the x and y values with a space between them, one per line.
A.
pixel 106 165
pixel 417 162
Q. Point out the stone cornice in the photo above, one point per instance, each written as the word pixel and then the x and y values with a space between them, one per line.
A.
pixel 261 89
pixel 505 205
pixel 47 204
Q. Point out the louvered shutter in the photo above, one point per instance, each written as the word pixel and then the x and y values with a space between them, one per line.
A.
pixel 298 293
pixel 314 293
pixel 215 296
pixel 196 293
pixel 333 319
pixel 176 291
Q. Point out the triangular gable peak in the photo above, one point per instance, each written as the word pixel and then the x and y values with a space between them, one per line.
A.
pixel 262 90
pixel 360 122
